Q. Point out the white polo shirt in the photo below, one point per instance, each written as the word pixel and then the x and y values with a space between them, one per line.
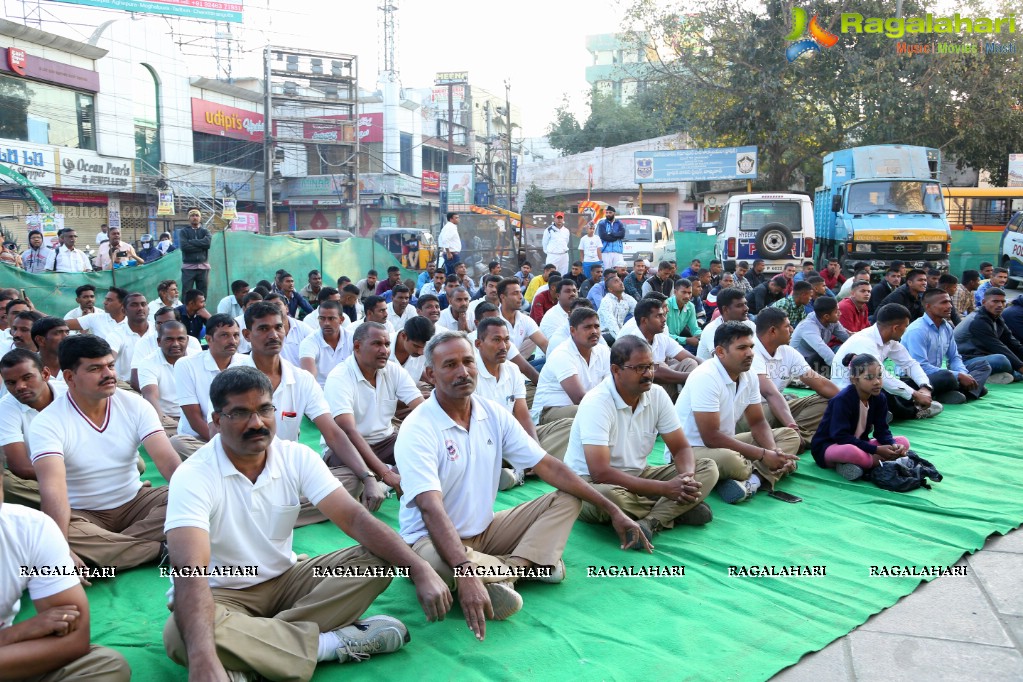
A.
pixel 508 386
pixel 349 392
pixel 229 306
pixel 563 363
pixel 298 394
pixel 664 347
pixel 316 347
pixel 553 319
pixel 101 459
pixel 30 538
pixel 605 419
pixel 243 345
pixel 105 327
pixel 522 329
pixel 149 344
pixel 15 417
pixel 434 453
pixel 710 389
pixel 413 365
pixel 192 378
pixel 448 321
pixel 296 334
pixel 156 371
pixel 786 365
pixel 249 524
pixel 705 350
pixel 398 321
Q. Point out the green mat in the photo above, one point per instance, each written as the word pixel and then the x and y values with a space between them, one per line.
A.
pixel 705 625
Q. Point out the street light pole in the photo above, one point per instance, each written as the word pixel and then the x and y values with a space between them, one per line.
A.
pixel 507 110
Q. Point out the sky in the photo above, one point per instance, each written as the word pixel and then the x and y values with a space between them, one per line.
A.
pixel 538 44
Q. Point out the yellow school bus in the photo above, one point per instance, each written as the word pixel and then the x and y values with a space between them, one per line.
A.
pixel 981 209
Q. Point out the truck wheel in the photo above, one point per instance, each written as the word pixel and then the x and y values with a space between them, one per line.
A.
pixel 774 240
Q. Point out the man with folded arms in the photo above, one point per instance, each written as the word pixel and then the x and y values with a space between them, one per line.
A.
pixel 450 451
pixel 613 434
pixel 234 508
pixel 84 449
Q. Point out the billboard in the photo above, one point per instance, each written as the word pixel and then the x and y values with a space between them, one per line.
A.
pixel 371 129
pixel 210 10
pixel 220 119
pixel 461 184
pixel 431 182
pixel 1015 171
pixel 688 165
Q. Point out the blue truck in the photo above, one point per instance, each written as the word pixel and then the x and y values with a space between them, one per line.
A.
pixel 879 204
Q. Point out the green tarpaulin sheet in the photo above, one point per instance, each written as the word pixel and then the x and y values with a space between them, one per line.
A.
pixel 705 625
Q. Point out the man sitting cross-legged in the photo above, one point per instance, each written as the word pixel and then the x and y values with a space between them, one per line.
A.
pixel 613 434
pixel 232 512
pixel 53 645
pixel 716 395
pixel 572 369
pixel 84 448
pixel 777 365
pixel 449 451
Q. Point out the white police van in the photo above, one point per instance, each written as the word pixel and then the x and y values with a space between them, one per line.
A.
pixel 774 226
pixel 1011 250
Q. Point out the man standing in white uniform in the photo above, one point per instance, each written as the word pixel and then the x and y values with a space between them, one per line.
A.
pixel 555 243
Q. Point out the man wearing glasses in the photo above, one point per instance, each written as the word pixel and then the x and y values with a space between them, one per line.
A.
pixel 613 434
pixel 195 249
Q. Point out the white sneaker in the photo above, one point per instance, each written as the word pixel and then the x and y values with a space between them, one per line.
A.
pixel 510 478
pixel 1001 378
pixel 504 600
pixel 373 635
pixel 733 491
pixel 927 412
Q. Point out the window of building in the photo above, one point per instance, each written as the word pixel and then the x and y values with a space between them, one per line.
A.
pixel 405 147
pixel 434 159
pixel 603 58
pixel 146 102
pixel 628 91
pixel 656 209
pixel 217 150
pixel 605 87
pixel 46 114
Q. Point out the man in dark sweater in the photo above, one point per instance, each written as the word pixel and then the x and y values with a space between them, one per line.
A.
pixel 634 282
pixel 195 249
pixel 1013 317
pixel 891 281
pixel 909 294
pixel 765 294
pixel 984 334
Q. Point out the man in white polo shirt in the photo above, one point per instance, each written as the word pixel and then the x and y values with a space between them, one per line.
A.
pixel 456 316
pixel 613 434
pixel 557 317
pixel 294 331
pixel 673 362
pixel 375 308
pixel 232 511
pixel 716 395
pixel 296 394
pixel 84 448
pixel 30 390
pixel 149 344
pixel 449 452
pixel 733 308
pixel 232 303
pixel 408 343
pixel 53 645
pixel 193 376
pixel 489 285
pixel 156 376
pixel 572 369
pixel 398 310
pixel 525 333
pixel 363 394
pixel 110 324
pixel 327 348
pixel 500 380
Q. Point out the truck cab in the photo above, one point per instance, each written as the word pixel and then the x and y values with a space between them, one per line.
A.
pixel 773 226
pixel 880 204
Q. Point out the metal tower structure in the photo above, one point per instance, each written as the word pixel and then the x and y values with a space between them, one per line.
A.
pixel 388 62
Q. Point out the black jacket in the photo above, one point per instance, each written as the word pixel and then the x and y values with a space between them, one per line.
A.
pixel 980 334
pixel 195 244
pixel 877 294
pixel 841 417
pixel 760 298
pixel 1013 317
pixel 903 296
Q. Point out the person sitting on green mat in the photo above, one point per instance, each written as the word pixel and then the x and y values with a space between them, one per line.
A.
pixel 614 432
pixel 240 598
pixel 450 474
pixel 843 439
pixel 54 644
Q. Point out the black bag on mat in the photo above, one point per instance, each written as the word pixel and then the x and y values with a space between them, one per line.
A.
pixel 906 473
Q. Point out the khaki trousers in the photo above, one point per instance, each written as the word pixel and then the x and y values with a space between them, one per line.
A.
pixel 19 490
pixel 661 509
pixel 186 446
pixel 404 410
pixel 553 437
pixel 808 412
pixel 125 386
pixel 99 665
pixel 308 514
pixel 552 414
pixel 733 465
pixel 536 531
pixel 273 628
pixel 530 393
pixel 170 425
pixel 124 536
pixel 686 365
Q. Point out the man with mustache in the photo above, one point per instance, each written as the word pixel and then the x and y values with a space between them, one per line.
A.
pixel 84 449
pixel 124 320
pixel 21 330
pixel 296 393
pixel 30 389
pixel 734 307
pixel 193 376
pixel 717 394
pixel 234 508
pixel 47 334
pixel 156 376
pixel 613 434
pixel 149 344
pixel 363 394
pixel 450 451
pixel 572 369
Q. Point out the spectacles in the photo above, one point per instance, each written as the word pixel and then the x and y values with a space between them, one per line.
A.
pixel 245 415
pixel 643 369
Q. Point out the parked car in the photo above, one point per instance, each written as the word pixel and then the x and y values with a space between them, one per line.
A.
pixel 1011 250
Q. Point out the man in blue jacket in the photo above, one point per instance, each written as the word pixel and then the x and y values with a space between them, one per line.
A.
pixel 611 233
pixel 195 249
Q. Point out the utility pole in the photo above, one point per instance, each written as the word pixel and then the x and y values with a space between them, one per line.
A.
pixel 507 109
pixel 268 147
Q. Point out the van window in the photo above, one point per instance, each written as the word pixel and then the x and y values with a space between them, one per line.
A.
pixel 755 214
pixel 637 229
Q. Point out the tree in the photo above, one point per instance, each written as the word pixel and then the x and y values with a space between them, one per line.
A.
pixel 722 72
pixel 608 124
pixel 536 202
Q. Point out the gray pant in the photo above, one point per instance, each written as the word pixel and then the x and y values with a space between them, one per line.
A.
pixel 195 279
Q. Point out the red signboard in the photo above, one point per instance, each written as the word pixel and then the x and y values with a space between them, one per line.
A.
pixel 431 182
pixel 220 119
pixel 79 198
pixel 371 129
pixel 17 61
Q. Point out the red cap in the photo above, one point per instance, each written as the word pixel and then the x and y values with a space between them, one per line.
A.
pixel 559 214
